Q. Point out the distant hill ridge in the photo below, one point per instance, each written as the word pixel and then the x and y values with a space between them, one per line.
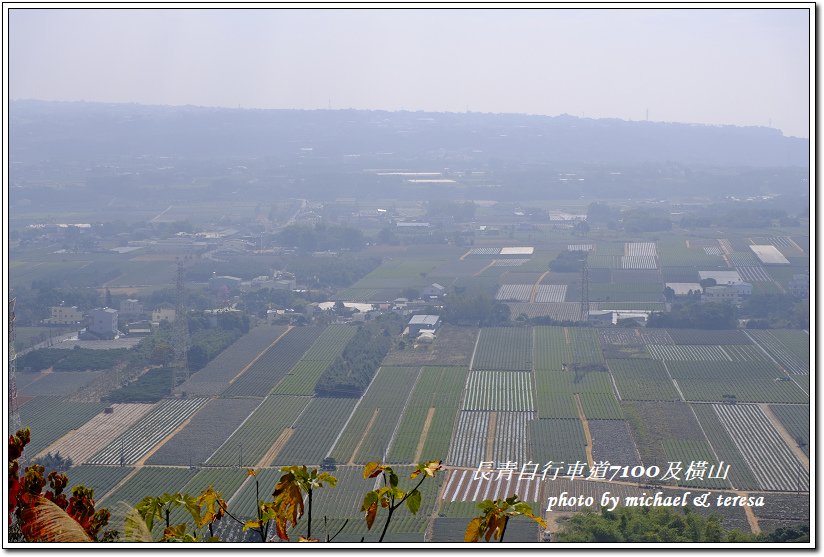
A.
pixel 43 130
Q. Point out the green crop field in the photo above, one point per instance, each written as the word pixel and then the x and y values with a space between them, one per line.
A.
pixel 796 420
pixel 558 441
pixel 315 431
pixel 369 432
pixel 256 436
pixel 504 348
pixel 100 478
pixel 302 378
pixel 150 481
pixel 740 474
pixel 747 381
pixel 601 406
pixel 551 348
pixel 439 390
pixel 641 379
pixel 52 417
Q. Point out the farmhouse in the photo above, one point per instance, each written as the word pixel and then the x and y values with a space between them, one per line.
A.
pixel 131 307
pixel 433 291
pixel 101 323
pixel 420 323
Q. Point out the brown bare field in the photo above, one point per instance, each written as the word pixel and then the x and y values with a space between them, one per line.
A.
pixel 452 347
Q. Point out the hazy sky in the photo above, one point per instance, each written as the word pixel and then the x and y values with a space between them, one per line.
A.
pixel 743 67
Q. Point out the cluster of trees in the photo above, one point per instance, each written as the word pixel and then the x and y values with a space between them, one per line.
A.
pixel 475 308
pixel 696 316
pixel 351 372
pixel 568 262
pixel 334 272
pixel 664 525
pixel 149 387
pixel 766 311
pixel 76 359
pixel 321 237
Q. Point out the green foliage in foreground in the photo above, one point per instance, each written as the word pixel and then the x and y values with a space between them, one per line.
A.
pixel 662 525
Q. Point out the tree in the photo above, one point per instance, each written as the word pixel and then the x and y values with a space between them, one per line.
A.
pixel 495 517
pixel 288 495
pixel 35 515
pixel 647 525
pixel 390 496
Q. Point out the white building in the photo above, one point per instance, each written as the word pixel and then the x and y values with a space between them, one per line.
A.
pixel 131 307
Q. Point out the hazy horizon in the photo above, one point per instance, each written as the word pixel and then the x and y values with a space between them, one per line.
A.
pixel 743 67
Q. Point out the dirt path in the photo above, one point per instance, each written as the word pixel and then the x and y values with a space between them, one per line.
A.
pixel 472 359
pixel 427 424
pixel 365 434
pixel 788 439
pixel 262 352
pixel 585 424
pixel 535 287
pixel 484 269
pixel 566 335
pixel 156 448
pixel 275 449
pixel 752 520
pixel 490 435
pixel 461 258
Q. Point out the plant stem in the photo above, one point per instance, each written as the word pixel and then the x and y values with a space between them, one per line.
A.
pixel 503 530
pixel 309 517
pixel 386 524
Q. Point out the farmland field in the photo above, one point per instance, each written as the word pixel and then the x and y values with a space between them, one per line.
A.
pixel 551 349
pixel 213 378
pixel 641 379
pixel 302 378
pixel 585 346
pixel 468 447
pixel 262 376
pixel 747 381
pixel 315 431
pixel 150 481
pixel 796 420
pixel 250 442
pixel 557 405
pixel 368 434
pixel 100 478
pixel 612 442
pixel 791 349
pixel 772 462
pixel 559 311
pixel 499 390
pixel 697 336
pixel 503 348
pixel 469 486
pixel 653 423
pixel 557 441
pixel 51 417
pixel 207 430
pixel 688 452
pixel 330 343
pixel 515 292
pixel 59 383
pixel 550 293
pixel 512 437
pixel 98 432
pixel 439 390
pixel 601 406
pixel 740 474
pixel 148 431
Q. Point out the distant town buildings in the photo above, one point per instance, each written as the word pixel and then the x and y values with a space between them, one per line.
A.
pixel 131 307
pixel 62 315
